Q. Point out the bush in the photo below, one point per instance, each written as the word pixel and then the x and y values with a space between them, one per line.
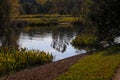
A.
pixel 113 50
pixel 16 60
pixel 84 41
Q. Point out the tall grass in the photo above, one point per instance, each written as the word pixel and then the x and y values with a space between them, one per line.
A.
pixel 11 61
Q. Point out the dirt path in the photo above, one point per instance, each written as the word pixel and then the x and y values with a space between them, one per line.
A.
pixel 46 72
pixel 117 75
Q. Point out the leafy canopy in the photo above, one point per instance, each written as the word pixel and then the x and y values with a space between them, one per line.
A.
pixel 105 14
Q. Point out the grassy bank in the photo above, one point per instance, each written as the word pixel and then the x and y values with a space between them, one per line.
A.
pixel 98 66
pixel 11 61
pixel 36 20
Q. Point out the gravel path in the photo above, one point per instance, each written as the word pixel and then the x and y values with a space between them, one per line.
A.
pixel 117 75
pixel 46 72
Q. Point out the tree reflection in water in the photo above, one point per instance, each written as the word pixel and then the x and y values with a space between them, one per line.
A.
pixel 61 37
pixel 9 38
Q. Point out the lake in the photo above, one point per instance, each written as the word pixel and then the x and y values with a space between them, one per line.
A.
pixel 53 39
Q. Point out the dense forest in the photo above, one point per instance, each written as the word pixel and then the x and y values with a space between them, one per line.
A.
pixel 45 6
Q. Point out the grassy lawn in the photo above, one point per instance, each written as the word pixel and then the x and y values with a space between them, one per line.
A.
pixel 98 66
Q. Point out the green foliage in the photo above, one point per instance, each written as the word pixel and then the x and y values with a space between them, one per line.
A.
pixel 11 61
pixel 84 41
pixel 105 15
pixel 15 7
pixel 4 13
pixel 46 6
pixel 94 67
pixel 113 50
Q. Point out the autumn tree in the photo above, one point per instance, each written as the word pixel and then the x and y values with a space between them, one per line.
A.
pixel 15 7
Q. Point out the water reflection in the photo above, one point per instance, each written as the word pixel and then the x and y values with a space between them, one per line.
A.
pixel 61 38
pixel 55 39
pixel 9 38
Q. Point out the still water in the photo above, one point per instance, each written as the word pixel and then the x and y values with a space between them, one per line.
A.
pixel 55 40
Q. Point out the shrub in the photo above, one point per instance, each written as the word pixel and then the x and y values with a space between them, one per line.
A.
pixel 113 50
pixel 19 59
pixel 84 41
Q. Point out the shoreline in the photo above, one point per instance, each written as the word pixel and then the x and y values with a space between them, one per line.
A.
pixel 46 72
pixel 22 23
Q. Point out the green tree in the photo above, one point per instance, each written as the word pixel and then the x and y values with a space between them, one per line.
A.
pixel 47 6
pixel 4 13
pixel 105 15
pixel 76 10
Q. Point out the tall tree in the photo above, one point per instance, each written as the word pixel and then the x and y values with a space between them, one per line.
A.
pixel 47 6
pixel 4 13
pixel 15 7
pixel 105 15
pixel 76 9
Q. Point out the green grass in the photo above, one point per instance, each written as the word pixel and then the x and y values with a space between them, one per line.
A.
pixel 67 20
pixel 42 15
pixel 31 20
pixel 97 66
pixel 11 61
pixel 46 19
pixel 40 21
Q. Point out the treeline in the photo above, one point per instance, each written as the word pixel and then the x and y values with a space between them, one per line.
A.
pixel 46 6
pixel 103 14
